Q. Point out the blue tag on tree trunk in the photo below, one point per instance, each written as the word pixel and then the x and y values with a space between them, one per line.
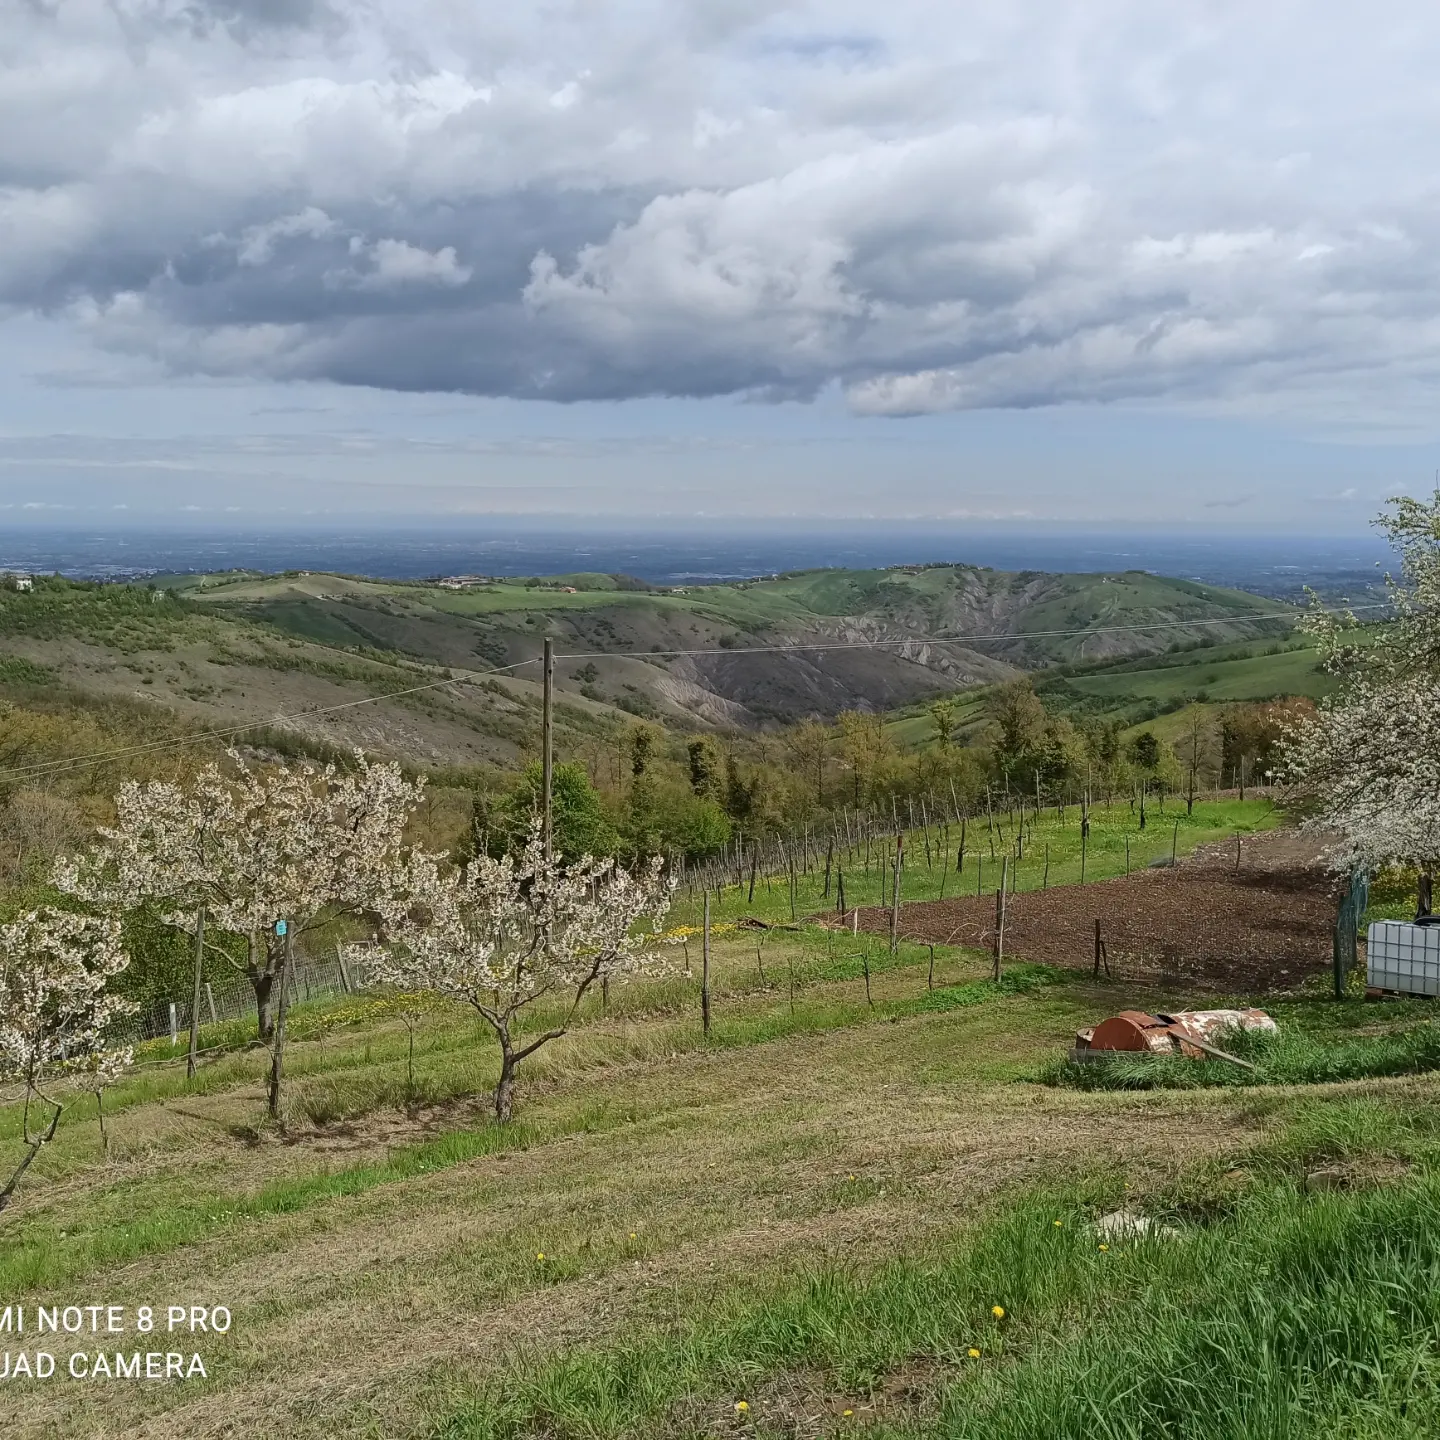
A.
pixel 280 927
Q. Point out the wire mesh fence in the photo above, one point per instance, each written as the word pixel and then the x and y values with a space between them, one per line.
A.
pixel 1353 905
pixel 229 995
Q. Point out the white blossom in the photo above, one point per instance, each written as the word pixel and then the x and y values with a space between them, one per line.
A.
pixel 250 847
pixel 56 1009
pixel 1369 759
pixel 502 935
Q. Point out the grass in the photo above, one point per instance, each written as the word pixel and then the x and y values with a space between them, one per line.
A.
pixel 1293 1057
pixel 1222 677
pixel 811 1211
pixel 1052 856
pixel 1290 1316
pixel 362 1075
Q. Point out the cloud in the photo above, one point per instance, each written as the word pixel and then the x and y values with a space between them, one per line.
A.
pixel 394 263
pixel 930 206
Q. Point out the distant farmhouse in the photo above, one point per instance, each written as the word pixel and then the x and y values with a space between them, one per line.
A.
pixel 463 582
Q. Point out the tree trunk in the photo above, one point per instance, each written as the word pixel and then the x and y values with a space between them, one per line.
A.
pixel 277 1045
pixel 34 1144
pixel 1426 896
pixel 263 984
pixel 505 1090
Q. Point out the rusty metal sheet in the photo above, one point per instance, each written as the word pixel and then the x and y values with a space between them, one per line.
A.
pixel 1137 1031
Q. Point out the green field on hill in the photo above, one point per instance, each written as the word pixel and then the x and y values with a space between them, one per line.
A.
pixel 860 1208
pixel 1051 857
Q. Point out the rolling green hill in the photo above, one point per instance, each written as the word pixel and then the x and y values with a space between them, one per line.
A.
pixel 246 649
pixel 1139 690
pixel 905 634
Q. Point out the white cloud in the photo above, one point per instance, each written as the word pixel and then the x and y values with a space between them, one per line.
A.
pixel 397 263
pixel 257 244
pixel 929 205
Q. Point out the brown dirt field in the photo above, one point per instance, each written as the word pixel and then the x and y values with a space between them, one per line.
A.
pixel 1265 926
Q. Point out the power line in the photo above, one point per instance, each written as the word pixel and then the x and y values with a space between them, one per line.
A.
pixel 78 762
pixel 954 639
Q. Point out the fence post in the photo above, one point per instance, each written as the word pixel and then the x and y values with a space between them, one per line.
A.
pixel 1000 918
pixel 705 974
pixel 344 971
pixel 1347 921
pixel 895 893
pixel 210 1000
pixel 174 1026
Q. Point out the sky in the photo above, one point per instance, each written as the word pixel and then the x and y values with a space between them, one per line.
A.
pixel 1108 262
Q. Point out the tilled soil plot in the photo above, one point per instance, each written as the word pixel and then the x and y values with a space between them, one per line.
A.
pixel 1264 926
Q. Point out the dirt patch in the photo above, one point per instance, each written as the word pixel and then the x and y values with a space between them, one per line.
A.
pixel 1264 925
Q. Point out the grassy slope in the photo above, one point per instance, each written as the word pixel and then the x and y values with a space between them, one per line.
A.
pixel 1247 677
pixel 1210 676
pixel 1051 601
pixel 505 621
pixel 382 1265
pixel 202 666
pixel 246 648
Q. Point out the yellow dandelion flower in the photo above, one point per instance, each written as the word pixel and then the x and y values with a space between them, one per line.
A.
pixel 1104 1247
pixel 974 1353
pixel 998 1311
pixel 539 1254
pixel 1059 1223
pixel 741 1407
pixel 847 1412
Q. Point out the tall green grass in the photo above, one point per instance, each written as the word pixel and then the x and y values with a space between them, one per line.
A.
pixel 1292 1317
pixel 1293 1057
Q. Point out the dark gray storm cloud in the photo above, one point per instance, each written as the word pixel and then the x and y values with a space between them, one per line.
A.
pixel 933 205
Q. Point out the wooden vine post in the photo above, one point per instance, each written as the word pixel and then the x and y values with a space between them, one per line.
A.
pixel 705 972
pixel 1000 919
pixel 895 892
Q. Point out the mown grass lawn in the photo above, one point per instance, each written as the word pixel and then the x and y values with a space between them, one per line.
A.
pixel 811 1211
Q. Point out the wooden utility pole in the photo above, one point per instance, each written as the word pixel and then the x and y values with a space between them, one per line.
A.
pixel 547 747
pixel 705 973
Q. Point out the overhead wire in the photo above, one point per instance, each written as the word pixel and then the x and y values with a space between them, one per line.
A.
pixel 199 737
pixel 78 762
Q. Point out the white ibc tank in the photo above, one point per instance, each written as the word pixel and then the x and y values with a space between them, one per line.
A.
pixel 1405 957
